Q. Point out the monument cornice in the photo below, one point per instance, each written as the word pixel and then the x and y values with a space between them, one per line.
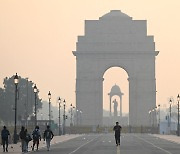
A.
pixel 153 53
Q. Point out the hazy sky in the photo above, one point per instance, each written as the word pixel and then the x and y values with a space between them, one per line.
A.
pixel 37 38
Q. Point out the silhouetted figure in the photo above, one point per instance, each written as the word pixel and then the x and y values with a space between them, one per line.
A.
pixel 117 130
pixel 115 107
pixel 4 137
pixel 28 139
pixel 36 137
pixel 48 136
pixel 22 136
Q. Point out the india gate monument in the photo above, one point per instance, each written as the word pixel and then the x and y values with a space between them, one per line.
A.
pixel 115 40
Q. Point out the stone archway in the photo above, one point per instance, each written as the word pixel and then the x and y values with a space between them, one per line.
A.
pixel 115 40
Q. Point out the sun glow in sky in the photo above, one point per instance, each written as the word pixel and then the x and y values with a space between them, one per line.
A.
pixel 37 38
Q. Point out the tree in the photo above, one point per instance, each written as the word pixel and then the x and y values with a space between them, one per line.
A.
pixel 2 104
pixel 25 103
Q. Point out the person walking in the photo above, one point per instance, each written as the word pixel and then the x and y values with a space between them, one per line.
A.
pixel 4 137
pixel 28 139
pixel 117 129
pixel 22 136
pixel 48 136
pixel 36 138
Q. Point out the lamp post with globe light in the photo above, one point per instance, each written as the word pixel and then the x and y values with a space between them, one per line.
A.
pixel 16 81
pixel 178 99
pixel 77 116
pixel 64 118
pixel 159 118
pixel 170 103
pixel 49 97
pixel 150 119
pixel 74 120
pixel 71 107
pixel 35 105
pixel 59 101
pixel 80 121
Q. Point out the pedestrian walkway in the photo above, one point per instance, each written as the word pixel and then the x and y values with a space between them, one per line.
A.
pixel 172 138
pixel 16 148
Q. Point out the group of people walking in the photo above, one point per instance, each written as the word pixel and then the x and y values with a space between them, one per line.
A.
pixel 36 137
pixel 26 137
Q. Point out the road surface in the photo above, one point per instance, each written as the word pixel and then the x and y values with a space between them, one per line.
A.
pixel 105 144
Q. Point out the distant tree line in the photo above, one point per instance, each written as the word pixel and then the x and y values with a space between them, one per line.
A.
pixel 25 102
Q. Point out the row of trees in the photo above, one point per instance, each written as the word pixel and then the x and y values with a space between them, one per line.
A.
pixel 25 103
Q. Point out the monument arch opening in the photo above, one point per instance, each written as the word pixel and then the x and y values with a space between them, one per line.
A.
pixel 115 96
pixel 115 40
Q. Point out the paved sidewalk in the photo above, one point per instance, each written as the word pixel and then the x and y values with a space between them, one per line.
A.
pixel 172 138
pixel 16 148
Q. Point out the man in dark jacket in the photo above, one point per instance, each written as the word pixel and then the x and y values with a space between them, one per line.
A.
pixel 48 135
pixel 36 137
pixel 22 136
pixel 4 137
pixel 117 130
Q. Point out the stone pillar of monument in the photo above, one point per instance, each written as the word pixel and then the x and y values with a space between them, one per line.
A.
pixel 140 96
pixel 89 99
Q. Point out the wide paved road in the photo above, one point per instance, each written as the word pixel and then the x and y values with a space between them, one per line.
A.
pixel 105 144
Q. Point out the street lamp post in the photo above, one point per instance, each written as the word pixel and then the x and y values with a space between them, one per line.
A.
pixel 77 117
pixel 16 81
pixel 35 105
pixel 71 115
pixel 26 104
pixel 178 99
pixel 153 117
pixel 159 118
pixel 150 118
pixel 156 120
pixel 74 115
pixel 64 118
pixel 59 101
pixel 49 97
pixel 80 121
pixel 170 103
pixel 71 123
